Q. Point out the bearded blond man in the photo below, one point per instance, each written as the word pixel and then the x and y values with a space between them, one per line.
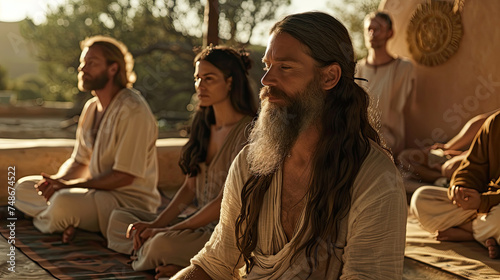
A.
pixel 114 162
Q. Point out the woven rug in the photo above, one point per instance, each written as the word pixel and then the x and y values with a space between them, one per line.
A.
pixel 86 257
pixel 465 259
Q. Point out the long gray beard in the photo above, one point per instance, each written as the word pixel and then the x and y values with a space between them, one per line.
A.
pixel 277 128
pixel 271 139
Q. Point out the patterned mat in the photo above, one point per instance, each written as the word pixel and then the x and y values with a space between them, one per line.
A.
pixel 86 257
pixel 468 260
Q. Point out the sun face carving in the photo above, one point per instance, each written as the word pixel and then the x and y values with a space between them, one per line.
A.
pixel 434 33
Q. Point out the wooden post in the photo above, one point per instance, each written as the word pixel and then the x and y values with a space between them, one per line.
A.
pixel 211 23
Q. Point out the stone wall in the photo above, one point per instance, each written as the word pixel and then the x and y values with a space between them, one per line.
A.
pixel 30 157
pixel 464 86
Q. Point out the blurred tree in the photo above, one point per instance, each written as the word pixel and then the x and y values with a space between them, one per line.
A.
pixel 161 34
pixel 29 87
pixel 162 54
pixel 352 14
pixel 4 78
pixel 239 18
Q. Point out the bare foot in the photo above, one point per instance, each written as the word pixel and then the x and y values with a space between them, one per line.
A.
pixel 68 234
pixel 493 248
pixel 167 270
pixel 454 234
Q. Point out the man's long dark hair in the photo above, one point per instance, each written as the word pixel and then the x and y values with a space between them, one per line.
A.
pixel 344 144
pixel 232 64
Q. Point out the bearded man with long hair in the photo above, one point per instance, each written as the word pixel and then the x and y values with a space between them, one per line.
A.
pixel 314 195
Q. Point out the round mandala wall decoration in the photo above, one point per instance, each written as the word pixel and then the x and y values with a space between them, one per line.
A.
pixel 434 33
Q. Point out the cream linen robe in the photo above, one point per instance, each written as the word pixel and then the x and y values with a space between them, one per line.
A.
pixel 126 142
pixel 390 86
pixel 371 239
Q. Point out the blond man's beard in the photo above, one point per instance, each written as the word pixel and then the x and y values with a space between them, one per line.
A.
pixel 278 126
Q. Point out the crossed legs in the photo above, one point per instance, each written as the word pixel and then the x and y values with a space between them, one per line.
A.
pixel 436 213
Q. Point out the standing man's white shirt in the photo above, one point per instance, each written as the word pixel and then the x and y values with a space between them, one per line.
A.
pixel 390 86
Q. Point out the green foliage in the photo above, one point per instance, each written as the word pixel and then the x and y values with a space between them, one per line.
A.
pixel 161 35
pixel 163 55
pixel 29 87
pixel 239 18
pixel 3 78
pixel 352 14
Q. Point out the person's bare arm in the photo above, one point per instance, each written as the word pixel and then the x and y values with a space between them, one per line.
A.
pixel 108 181
pixel 71 169
pixel 181 200
pixel 464 138
pixel 191 272
pixel 205 216
pixel 183 197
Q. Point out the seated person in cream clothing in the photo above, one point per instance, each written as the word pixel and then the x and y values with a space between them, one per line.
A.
pixel 114 162
pixel 469 209
pixel 313 195
pixel 219 131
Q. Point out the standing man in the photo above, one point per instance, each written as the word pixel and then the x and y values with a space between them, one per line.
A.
pixel 391 80
pixel 114 162
pixel 313 195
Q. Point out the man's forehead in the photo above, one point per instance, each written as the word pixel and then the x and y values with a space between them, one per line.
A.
pixel 376 21
pixel 92 52
pixel 284 47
